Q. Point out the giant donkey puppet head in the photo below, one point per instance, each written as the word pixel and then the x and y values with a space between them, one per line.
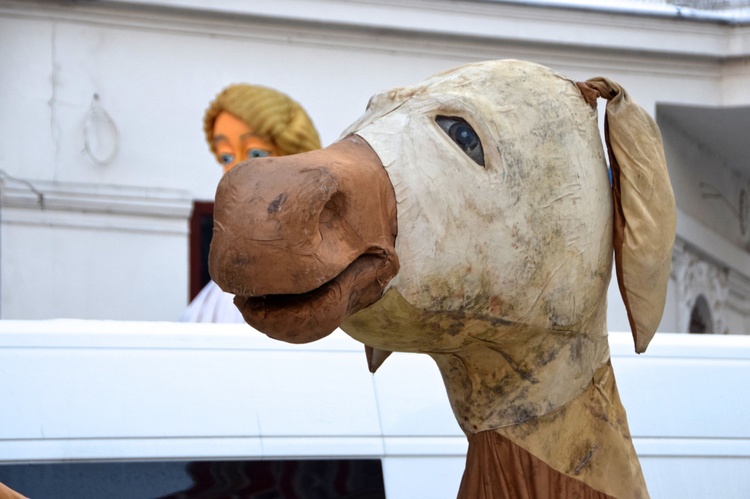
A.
pixel 471 217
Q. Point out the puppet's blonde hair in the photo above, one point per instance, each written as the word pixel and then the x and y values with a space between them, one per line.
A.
pixel 272 115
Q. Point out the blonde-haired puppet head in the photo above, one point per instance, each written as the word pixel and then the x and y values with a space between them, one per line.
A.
pixel 272 117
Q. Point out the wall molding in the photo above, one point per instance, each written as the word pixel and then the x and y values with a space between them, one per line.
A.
pixel 711 246
pixel 525 21
pixel 467 30
pixel 98 207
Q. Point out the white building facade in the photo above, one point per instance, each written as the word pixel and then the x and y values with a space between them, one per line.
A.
pixel 102 153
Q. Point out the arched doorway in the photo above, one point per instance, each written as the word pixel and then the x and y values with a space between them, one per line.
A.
pixel 700 317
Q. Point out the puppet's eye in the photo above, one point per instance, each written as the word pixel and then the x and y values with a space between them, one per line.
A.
pixel 257 153
pixel 463 135
pixel 226 159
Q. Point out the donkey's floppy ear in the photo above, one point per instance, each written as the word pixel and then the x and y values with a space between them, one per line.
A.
pixel 645 218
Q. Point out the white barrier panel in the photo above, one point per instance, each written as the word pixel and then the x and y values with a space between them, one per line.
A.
pixel 106 390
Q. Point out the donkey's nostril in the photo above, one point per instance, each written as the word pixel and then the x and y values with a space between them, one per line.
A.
pixel 326 215
pixel 334 208
pixel 275 205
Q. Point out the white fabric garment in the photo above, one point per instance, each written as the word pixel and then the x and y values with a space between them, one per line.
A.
pixel 212 305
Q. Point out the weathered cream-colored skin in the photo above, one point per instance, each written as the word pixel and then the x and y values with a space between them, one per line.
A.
pixel 512 260
pixel 504 266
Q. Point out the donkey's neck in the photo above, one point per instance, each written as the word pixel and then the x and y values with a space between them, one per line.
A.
pixel 584 446
pixel 550 392
pixel 522 376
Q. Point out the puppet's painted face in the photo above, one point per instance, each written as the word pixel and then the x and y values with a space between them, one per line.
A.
pixel 235 141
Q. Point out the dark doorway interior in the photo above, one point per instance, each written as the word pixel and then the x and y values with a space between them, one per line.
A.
pixel 700 317
pixel 201 230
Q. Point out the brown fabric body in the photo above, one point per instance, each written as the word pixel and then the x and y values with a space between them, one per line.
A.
pixel 497 468
pixel 6 493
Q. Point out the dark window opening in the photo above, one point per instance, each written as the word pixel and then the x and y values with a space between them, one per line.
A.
pixel 201 230
pixel 269 479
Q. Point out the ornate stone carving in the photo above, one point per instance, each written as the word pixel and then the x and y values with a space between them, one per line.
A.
pixel 699 277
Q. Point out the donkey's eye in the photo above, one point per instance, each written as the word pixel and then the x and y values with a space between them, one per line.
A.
pixel 463 135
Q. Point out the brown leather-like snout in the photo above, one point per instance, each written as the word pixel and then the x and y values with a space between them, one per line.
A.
pixel 305 240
